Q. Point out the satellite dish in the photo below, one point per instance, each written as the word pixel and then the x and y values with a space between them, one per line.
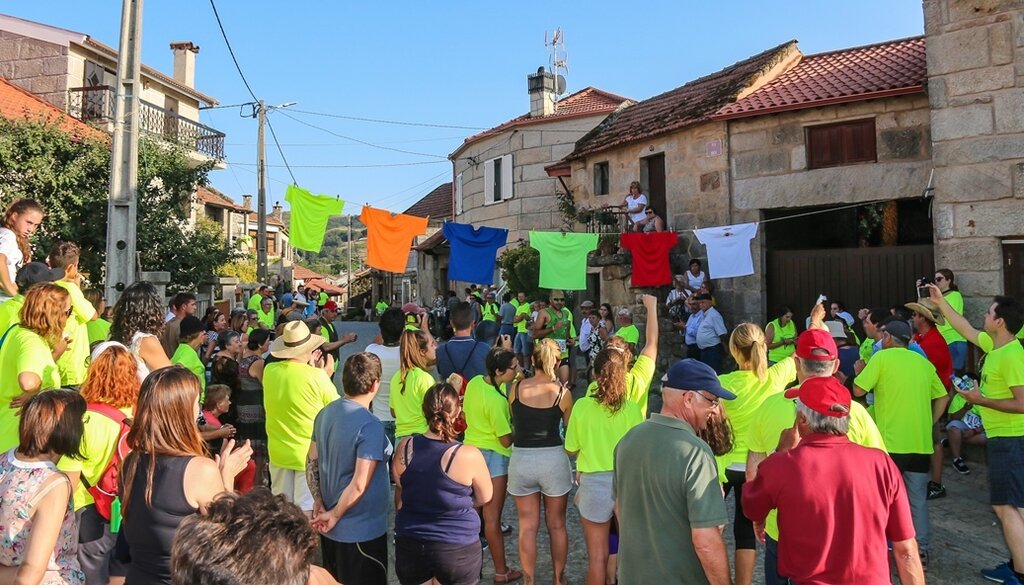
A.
pixel 559 84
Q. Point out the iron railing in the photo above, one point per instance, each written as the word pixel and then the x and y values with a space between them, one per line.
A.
pixel 96 104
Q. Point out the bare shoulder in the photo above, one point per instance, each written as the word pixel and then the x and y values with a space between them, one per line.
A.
pixel 202 481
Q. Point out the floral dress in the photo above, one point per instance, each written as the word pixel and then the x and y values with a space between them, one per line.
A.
pixel 22 485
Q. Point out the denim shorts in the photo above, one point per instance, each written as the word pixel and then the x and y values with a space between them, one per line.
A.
pixel 523 344
pixel 594 497
pixel 958 351
pixel 1006 471
pixel 539 469
pixel 497 463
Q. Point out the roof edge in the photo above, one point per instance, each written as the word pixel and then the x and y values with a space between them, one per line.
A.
pixel 163 77
pixel 821 103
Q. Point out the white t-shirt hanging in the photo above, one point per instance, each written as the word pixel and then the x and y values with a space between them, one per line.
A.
pixel 728 249
pixel 632 202
pixel 9 248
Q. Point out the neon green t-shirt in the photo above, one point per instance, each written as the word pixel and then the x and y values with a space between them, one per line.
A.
pixel 489 311
pixel 73 362
pixel 521 327
pixel 1003 370
pixel 866 350
pixel 321 300
pixel 629 334
pixel 254 301
pixel 407 401
pixel 778 413
pixel 98 443
pixel 750 395
pixel 904 384
pixel 563 258
pixel 956 301
pixel 783 351
pixel 381 306
pixel 293 394
pixel 22 351
pixel 10 312
pixel 189 358
pixel 487 416
pixel 594 431
pixel 309 216
pixel 638 382
pixel 99 330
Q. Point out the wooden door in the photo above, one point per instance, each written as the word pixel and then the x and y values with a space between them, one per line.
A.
pixel 1013 268
pixel 655 182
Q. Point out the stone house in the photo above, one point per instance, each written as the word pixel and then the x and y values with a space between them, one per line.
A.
pixel 76 73
pixel 429 255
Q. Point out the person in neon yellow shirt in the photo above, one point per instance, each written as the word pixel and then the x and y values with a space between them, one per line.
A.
pixel 187 353
pixel 781 336
pixel 72 364
pixel 418 354
pixel 641 374
pixel 522 344
pixel 263 292
pixel 489 428
pixel 99 328
pixel 946 281
pixel 29 274
pixel 28 352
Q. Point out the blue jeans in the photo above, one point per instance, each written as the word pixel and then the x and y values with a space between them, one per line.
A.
pixel 958 351
pixel 507 329
pixel 917 493
pixel 771 563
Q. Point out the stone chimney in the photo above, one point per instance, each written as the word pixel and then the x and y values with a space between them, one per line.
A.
pixel 247 201
pixel 541 87
pixel 185 62
pixel 277 212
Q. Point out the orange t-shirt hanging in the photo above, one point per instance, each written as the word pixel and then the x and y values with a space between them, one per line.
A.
pixel 389 238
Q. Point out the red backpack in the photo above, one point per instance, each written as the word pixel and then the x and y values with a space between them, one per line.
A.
pixel 104 491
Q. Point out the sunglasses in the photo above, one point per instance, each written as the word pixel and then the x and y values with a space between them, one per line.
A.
pixel 940 278
pixel 649 212
pixel 69 311
pixel 559 300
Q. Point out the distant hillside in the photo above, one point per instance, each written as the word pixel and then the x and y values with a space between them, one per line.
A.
pixel 333 255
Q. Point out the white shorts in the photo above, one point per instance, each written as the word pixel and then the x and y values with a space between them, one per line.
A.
pixel 293 485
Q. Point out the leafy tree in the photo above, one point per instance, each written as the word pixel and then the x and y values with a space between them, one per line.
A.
pixel 520 268
pixel 69 176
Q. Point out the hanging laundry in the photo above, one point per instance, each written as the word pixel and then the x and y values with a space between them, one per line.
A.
pixel 728 249
pixel 474 251
pixel 650 256
pixel 563 258
pixel 307 222
pixel 389 238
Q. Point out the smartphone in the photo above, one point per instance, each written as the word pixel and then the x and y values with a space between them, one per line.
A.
pixel 923 292
pixel 821 299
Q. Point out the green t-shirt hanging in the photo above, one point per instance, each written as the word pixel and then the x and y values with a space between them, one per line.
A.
pixel 309 215
pixel 563 258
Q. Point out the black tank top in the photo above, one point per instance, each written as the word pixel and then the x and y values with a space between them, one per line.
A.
pixel 537 427
pixel 150 530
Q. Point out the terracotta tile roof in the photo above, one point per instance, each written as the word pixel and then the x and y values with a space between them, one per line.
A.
pixel 16 103
pixel 435 240
pixel 210 196
pixel 302 273
pixel 871 71
pixel 588 101
pixel 684 106
pixel 436 205
pixel 325 286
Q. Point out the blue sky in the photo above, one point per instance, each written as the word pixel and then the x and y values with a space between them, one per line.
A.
pixel 461 64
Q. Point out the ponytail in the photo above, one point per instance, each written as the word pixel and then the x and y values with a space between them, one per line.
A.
pixel 610 370
pixel 749 348
pixel 546 355
pixel 441 409
pixel 18 207
pixel 411 348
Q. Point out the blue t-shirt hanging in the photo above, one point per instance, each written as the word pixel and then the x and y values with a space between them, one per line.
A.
pixel 474 251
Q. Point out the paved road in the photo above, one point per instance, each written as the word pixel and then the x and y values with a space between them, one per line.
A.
pixel 964 537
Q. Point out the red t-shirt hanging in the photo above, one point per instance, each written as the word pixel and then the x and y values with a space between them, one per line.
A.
pixel 650 256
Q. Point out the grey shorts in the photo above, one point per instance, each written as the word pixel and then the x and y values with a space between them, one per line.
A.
pixel 539 469
pixel 497 464
pixel 594 497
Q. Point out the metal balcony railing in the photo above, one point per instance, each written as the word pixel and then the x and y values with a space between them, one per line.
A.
pixel 96 104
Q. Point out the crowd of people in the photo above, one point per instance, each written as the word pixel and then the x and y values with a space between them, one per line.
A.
pixel 142 444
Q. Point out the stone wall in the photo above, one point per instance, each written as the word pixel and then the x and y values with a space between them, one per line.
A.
pixel 976 84
pixel 37 66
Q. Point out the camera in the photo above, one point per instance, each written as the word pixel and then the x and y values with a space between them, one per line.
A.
pixel 922 286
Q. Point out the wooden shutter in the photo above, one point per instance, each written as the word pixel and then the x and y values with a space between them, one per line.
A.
pixel 844 143
pixel 506 176
pixel 458 194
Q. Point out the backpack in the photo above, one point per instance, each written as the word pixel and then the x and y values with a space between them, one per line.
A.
pixel 460 422
pixel 104 491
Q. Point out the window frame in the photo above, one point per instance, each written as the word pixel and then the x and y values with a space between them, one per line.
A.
pixel 602 187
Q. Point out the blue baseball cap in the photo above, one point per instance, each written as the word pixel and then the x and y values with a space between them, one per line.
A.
pixel 690 374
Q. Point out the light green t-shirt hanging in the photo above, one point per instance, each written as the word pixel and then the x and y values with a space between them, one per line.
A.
pixel 563 258
pixel 309 215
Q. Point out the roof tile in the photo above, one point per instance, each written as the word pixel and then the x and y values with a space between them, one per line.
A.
pixel 436 204
pixel 17 103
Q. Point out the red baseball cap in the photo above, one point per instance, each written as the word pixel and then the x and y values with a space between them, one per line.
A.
pixel 823 395
pixel 812 343
pixel 330 306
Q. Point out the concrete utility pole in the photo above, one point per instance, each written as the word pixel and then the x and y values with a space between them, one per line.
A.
pixel 348 284
pixel 261 195
pixel 124 156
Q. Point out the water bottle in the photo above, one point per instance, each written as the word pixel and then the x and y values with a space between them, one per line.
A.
pixel 115 516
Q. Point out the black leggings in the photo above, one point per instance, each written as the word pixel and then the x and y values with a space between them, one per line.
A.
pixel 742 527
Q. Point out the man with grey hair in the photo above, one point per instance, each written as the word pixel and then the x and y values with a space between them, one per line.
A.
pixel 670 504
pixel 838 503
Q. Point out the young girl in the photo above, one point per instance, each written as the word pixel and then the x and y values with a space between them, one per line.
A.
pixel 21 220
pixel 418 353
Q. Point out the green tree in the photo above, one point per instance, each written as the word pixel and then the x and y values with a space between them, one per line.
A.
pixel 520 268
pixel 69 176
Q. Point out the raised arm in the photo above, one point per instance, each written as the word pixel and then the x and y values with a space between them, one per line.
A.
pixel 956 320
pixel 651 329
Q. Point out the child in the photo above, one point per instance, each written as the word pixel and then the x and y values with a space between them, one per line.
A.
pixel 98 329
pixel 72 363
pixel 187 354
pixel 216 404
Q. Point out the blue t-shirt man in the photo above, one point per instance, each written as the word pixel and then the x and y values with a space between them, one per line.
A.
pixel 463 355
pixel 344 431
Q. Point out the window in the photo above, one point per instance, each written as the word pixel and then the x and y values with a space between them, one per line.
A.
pixel 602 178
pixel 845 143
pixel 498 179
pixel 458 194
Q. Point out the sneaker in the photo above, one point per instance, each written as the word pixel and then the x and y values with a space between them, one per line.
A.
pixel 960 466
pixel 506 529
pixel 924 559
pixel 944 442
pixel 936 490
pixel 1000 574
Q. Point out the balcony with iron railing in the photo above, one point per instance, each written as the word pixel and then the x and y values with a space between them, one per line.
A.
pixel 96 105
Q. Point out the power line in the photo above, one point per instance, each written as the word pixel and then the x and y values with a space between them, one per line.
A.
pixel 281 151
pixel 393 122
pixel 363 142
pixel 369 166
pixel 232 51
pixel 323 144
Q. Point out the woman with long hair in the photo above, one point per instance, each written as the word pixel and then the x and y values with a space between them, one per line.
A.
pixel 601 331
pixel 137 323
pixel 442 481
pixel 641 372
pixel 21 220
pixel 946 281
pixel 539 472
pixel 168 476
pixel 781 335
pixel 37 522
pixel 417 353
pixel 111 388
pixel 598 422
pixel 752 384
pixel 28 354
pixel 214 323
pixel 489 429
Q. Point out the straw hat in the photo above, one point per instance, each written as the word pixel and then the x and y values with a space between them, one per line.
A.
pixel 295 341
pixel 927 309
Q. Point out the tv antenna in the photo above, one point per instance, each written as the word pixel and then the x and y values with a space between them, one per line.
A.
pixel 558 59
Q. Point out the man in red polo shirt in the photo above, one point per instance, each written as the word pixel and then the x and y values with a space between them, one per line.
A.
pixel 838 502
pixel 926 317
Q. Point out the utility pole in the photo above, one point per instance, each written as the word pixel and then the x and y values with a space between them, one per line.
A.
pixel 348 285
pixel 261 195
pixel 124 156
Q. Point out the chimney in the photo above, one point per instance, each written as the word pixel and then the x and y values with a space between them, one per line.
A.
pixel 247 201
pixel 542 93
pixel 277 212
pixel 185 62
